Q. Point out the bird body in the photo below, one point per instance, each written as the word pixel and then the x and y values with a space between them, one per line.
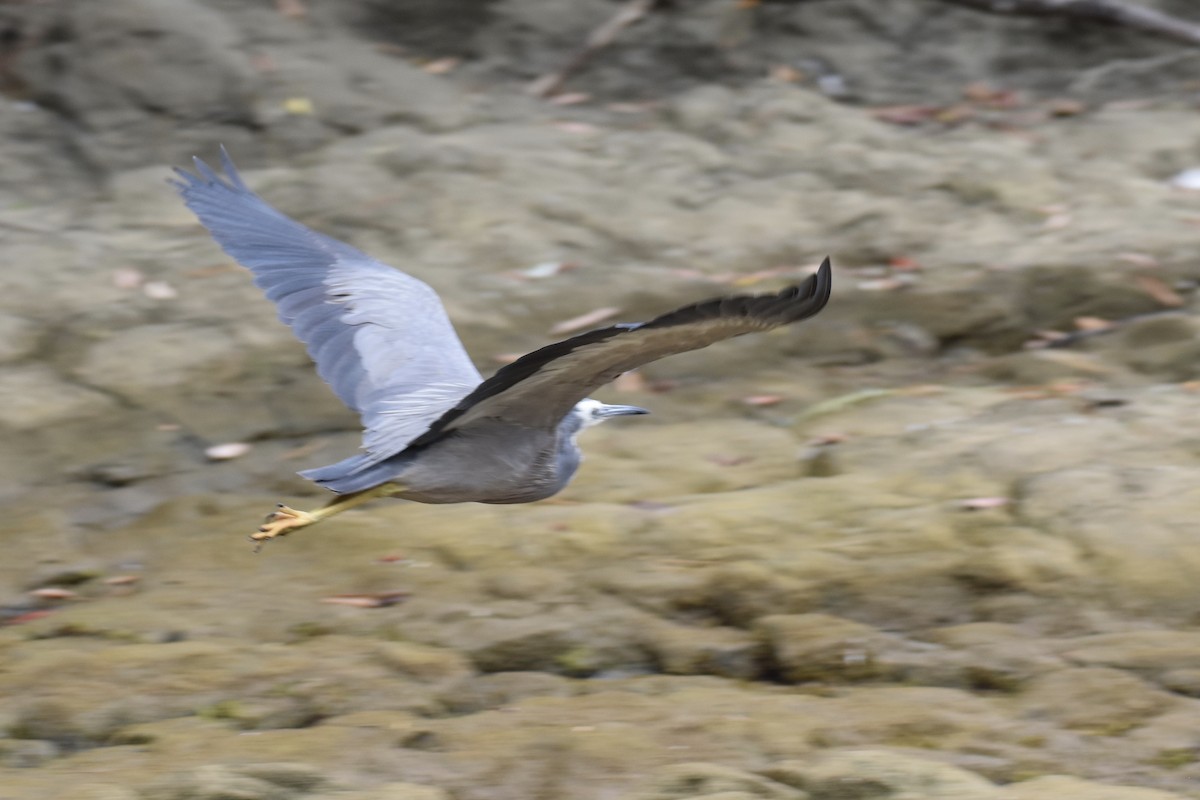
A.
pixel 509 464
pixel 435 430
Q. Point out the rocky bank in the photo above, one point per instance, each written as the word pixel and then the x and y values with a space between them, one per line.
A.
pixel 921 546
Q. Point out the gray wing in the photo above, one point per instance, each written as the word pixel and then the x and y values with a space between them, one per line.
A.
pixel 381 339
pixel 537 390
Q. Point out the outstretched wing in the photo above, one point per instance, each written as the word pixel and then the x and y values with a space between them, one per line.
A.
pixel 381 339
pixel 537 390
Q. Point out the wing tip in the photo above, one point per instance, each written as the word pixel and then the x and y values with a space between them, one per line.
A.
pixel 824 273
pixel 823 282
pixel 792 304
pixel 231 170
pixel 807 299
pixel 207 177
pixel 183 182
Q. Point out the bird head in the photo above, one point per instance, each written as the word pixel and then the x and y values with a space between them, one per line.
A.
pixel 592 412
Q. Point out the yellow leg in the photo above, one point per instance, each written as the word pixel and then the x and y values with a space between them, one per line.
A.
pixel 284 520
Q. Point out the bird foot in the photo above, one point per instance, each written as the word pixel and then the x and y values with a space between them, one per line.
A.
pixel 281 522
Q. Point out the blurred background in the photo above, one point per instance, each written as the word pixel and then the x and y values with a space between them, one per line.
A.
pixel 938 542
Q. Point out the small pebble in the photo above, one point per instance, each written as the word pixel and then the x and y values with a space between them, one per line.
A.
pixel 227 451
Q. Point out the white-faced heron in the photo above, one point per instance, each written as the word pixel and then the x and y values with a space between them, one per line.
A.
pixel 436 432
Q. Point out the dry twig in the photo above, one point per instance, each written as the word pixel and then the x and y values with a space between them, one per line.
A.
pixel 1111 12
pixel 599 38
pixel 1074 337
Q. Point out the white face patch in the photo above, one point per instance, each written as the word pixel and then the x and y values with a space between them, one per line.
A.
pixel 589 409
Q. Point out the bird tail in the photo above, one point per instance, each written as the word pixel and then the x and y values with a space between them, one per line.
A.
pixel 352 474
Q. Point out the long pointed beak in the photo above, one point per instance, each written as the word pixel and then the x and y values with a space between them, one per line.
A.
pixel 620 411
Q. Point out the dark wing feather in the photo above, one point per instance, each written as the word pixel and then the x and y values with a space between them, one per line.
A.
pixel 381 339
pixel 538 389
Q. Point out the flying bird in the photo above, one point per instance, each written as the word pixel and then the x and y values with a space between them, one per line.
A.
pixel 435 430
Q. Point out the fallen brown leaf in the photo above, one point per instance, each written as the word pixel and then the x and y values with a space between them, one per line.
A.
pixel 1157 288
pixel 127 278
pixel 377 600
pixel 1065 107
pixel 785 73
pixel 1092 323
pixel 1044 338
pixel 578 128
pixel 440 66
pixel 591 318
pixel 982 503
pixel 762 400
pixel 724 460
pixel 955 114
pixel 1008 98
pixel 905 115
pixel 826 439
pixel 53 593
pixel 978 91
pixel 992 96
pixel 569 99
pixel 632 381
pixel 904 264
pixel 1067 387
